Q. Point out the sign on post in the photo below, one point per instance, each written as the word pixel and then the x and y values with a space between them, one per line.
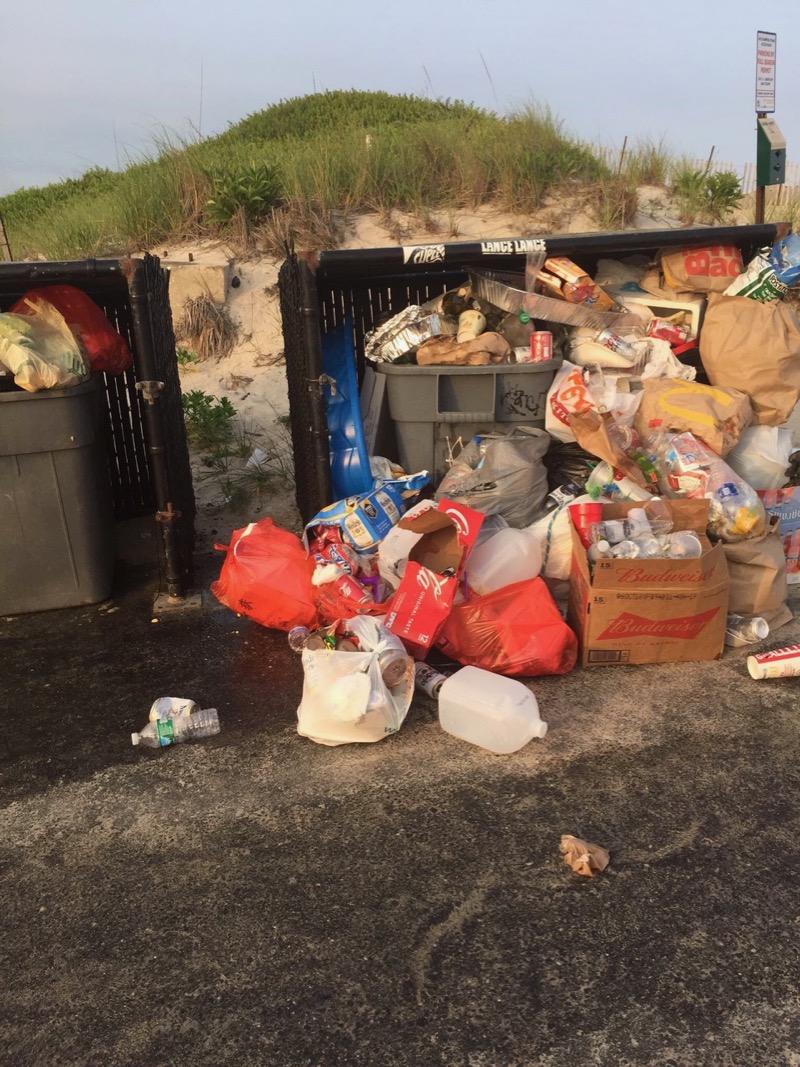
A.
pixel 766 49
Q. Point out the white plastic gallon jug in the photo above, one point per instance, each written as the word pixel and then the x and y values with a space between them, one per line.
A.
pixel 508 556
pixel 486 709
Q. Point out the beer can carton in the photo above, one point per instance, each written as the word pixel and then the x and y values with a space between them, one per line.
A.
pixel 541 346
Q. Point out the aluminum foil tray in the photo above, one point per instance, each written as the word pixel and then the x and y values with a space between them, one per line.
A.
pixel 503 290
pixel 405 332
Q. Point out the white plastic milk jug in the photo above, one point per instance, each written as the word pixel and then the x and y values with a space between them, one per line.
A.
pixel 486 709
pixel 506 557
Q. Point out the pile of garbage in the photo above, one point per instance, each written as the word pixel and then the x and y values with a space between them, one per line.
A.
pixel 55 337
pixel 648 517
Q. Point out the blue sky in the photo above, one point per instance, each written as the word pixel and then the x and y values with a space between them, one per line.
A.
pixel 90 82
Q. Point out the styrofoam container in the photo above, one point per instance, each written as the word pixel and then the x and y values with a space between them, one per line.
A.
pixel 496 713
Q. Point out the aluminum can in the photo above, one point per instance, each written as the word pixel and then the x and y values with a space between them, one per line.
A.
pixel 353 590
pixel 668 331
pixel 428 679
pixel 395 666
pixel 541 346
pixel 615 343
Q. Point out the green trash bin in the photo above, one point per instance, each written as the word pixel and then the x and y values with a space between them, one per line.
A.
pixel 56 512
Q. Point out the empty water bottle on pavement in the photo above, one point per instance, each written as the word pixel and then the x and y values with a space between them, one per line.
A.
pixel 159 733
pixel 496 713
pixel 743 630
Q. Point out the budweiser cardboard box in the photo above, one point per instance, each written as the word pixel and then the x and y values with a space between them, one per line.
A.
pixel 447 535
pixel 785 503
pixel 650 610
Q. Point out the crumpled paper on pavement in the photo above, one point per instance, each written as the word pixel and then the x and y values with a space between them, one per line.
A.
pixel 583 857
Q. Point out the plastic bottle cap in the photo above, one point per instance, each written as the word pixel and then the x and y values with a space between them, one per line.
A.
pixel 524 317
pixel 134 739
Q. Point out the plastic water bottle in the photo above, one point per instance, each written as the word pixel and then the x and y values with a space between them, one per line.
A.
pixel 507 557
pixel 599 550
pixel 488 710
pixel 626 550
pixel 162 732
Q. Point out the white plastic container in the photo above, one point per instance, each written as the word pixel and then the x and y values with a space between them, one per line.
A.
pixel 507 557
pixel 488 710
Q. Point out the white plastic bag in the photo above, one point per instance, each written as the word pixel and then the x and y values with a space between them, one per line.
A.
pixel 762 456
pixel 42 352
pixel 555 531
pixel 663 363
pixel 345 698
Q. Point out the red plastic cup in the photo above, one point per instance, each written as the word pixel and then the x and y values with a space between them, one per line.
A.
pixel 583 517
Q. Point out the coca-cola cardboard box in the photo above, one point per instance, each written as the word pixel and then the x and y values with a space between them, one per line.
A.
pixel 447 535
pixel 651 610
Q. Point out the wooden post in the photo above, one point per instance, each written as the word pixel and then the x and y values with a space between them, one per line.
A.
pixel 4 245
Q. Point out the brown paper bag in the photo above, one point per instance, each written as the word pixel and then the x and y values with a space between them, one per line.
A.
pixel 654 283
pixel 719 416
pixel 757 570
pixel 701 270
pixel 748 345
pixel 591 432
pixel 583 856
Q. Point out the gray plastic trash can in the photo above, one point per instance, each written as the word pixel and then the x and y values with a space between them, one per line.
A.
pixel 56 512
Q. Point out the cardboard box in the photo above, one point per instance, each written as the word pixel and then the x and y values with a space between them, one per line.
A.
pixel 785 503
pixel 650 610
pixel 447 535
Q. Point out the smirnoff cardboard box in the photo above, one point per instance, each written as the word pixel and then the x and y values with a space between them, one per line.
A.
pixel 651 610
pixel 446 536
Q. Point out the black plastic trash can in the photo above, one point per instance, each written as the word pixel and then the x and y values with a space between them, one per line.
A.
pixel 56 509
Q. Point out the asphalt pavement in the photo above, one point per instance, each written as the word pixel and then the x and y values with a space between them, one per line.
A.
pixel 255 898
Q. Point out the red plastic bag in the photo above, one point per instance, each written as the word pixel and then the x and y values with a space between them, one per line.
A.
pixel 266 575
pixel 516 630
pixel 333 605
pixel 107 350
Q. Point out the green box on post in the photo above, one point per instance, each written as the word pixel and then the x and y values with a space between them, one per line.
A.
pixel 56 514
pixel 770 153
pixel 432 407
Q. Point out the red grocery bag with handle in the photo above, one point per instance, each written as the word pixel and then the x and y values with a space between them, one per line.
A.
pixel 516 630
pixel 266 575
pixel 106 348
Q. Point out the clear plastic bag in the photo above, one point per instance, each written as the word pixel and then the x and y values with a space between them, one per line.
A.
pixel 762 456
pixel 694 471
pixel 42 352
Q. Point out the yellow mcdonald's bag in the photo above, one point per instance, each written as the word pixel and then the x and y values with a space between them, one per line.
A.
pixel 718 416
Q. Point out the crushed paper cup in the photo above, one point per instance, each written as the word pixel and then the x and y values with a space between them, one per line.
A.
pixel 583 857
